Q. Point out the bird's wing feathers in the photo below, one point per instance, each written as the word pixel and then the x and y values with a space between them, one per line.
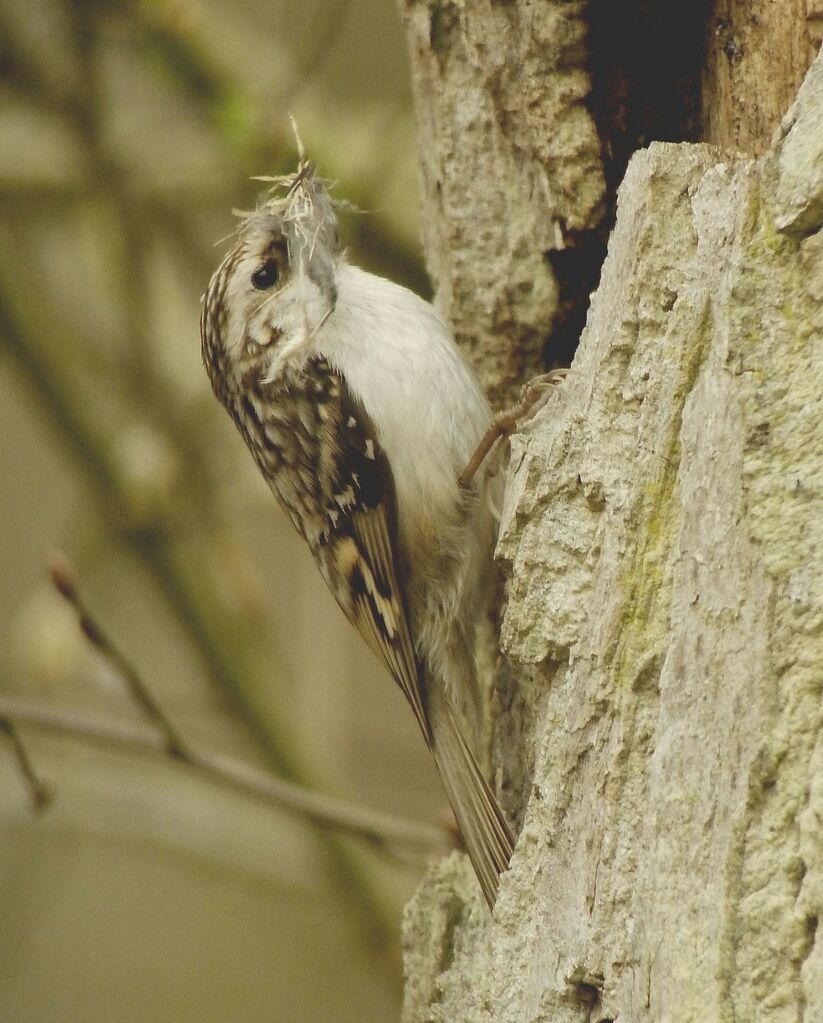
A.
pixel 356 548
pixel 320 451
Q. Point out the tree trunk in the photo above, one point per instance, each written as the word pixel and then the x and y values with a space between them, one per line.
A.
pixel 757 54
pixel 511 171
pixel 662 740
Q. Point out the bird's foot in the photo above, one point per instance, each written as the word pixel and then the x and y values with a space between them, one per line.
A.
pixel 533 396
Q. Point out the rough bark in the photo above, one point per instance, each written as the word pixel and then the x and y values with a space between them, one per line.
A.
pixel 663 531
pixel 528 113
pixel 511 169
pixel 756 56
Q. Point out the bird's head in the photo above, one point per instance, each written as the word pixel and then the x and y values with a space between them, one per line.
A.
pixel 277 287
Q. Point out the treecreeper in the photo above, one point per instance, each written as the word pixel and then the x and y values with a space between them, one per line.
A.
pixel 361 414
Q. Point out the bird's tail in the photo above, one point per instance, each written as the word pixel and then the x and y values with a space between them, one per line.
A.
pixel 488 838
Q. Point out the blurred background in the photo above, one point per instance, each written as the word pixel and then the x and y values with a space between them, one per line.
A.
pixel 129 129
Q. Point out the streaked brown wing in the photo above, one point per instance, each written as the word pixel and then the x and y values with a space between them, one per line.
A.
pixel 357 548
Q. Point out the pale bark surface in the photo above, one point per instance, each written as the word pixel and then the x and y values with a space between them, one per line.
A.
pixel 510 164
pixel 663 531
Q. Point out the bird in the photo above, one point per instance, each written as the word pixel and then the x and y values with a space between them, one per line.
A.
pixel 360 412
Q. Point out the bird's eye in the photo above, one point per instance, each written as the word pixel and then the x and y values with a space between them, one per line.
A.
pixel 265 276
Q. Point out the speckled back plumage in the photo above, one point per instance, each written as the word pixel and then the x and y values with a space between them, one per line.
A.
pixel 360 413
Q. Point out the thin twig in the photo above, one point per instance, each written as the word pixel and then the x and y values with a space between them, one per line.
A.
pixel 63 579
pixel 320 809
pixel 39 791
pixel 375 827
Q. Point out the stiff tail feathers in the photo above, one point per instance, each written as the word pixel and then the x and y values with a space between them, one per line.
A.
pixel 488 838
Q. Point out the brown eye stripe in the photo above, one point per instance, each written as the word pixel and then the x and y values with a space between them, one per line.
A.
pixel 213 317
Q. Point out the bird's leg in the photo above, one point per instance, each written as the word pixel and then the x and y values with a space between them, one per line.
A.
pixel 533 396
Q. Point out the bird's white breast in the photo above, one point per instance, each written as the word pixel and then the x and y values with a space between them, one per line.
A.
pixel 399 359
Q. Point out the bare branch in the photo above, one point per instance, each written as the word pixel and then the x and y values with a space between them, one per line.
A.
pixel 377 828
pixel 63 579
pixel 323 810
pixel 40 792
pixel 188 588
